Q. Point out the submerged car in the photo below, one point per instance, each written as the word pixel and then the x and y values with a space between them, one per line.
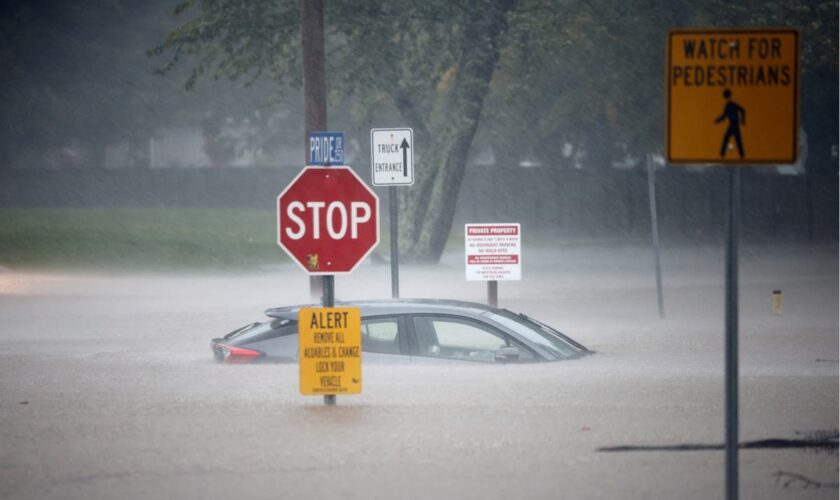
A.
pixel 416 331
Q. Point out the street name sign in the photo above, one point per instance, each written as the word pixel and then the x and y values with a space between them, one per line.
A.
pixel 326 148
pixel 493 252
pixel 392 156
pixel 732 96
pixel 327 220
pixel 330 350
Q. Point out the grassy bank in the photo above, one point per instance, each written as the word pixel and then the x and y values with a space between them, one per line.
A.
pixel 138 239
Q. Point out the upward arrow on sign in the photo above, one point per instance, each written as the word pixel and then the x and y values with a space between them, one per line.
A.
pixel 404 146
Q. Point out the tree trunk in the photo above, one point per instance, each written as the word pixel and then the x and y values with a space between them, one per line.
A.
pixel 428 207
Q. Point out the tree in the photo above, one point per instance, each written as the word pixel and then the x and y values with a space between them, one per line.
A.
pixel 72 75
pixel 434 61
pixel 77 79
pixel 585 73
pixel 596 82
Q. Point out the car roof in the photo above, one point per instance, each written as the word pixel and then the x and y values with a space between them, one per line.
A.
pixel 393 306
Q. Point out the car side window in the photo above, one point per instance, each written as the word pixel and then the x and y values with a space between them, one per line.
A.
pixel 381 335
pixel 454 338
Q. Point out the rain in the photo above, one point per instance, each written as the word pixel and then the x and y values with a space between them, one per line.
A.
pixel 147 171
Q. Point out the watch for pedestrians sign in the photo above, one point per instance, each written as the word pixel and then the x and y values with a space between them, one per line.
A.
pixel 732 96
pixel 392 156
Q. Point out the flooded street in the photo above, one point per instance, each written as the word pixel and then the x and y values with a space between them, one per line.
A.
pixel 172 169
pixel 108 388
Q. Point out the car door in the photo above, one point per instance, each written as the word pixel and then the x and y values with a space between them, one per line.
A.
pixel 384 339
pixel 445 338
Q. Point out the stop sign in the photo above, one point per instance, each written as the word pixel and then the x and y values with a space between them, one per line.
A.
pixel 327 220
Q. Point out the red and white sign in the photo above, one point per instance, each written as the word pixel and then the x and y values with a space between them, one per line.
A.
pixel 493 252
pixel 327 220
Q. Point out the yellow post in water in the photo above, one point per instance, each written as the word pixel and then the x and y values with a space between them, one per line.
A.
pixel 777 302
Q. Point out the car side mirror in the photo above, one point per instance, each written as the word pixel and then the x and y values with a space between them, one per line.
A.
pixel 507 354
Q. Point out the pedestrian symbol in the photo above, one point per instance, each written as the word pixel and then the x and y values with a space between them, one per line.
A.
pixel 737 117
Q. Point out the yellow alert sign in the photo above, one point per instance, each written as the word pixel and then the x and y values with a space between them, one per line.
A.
pixel 330 350
pixel 732 96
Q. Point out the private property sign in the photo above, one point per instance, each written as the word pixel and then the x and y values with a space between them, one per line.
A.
pixel 330 350
pixel 493 252
pixel 732 96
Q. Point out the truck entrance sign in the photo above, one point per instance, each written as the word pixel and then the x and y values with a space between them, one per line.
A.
pixel 493 252
pixel 330 350
pixel 732 96
pixel 327 220
pixel 392 156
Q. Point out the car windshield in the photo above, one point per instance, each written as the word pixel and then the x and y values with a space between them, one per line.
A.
pixel 537 333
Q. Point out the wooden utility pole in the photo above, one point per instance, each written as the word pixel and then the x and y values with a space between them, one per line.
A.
pixel 314 87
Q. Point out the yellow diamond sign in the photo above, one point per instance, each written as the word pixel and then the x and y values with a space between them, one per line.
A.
pixel 330 350
pixel 732 96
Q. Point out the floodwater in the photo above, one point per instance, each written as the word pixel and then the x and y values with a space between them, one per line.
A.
pixel 108 388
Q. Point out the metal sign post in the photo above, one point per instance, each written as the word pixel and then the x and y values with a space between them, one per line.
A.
pixel 392 165
pixel 732 333
pixel 732 99
pixel 654 224
pixel 328 300
pixel 493 293
pixel 395 254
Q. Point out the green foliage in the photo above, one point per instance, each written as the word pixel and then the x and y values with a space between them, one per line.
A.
pixel 403 50
pixel 237 39
pixel 590 73
pixel 586 74
pixel 432 59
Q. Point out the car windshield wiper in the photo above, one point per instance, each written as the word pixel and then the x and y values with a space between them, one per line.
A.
pixel 553 332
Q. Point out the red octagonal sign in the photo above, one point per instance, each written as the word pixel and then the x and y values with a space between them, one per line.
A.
pixel 327 220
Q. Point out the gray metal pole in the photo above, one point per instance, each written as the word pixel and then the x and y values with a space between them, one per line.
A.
pixel 654 224
pixel 328 300
pixel 493 293
pixel 732 334
pixel 395 254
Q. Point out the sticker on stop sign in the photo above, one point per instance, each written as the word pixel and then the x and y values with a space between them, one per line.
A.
pixel 327 220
